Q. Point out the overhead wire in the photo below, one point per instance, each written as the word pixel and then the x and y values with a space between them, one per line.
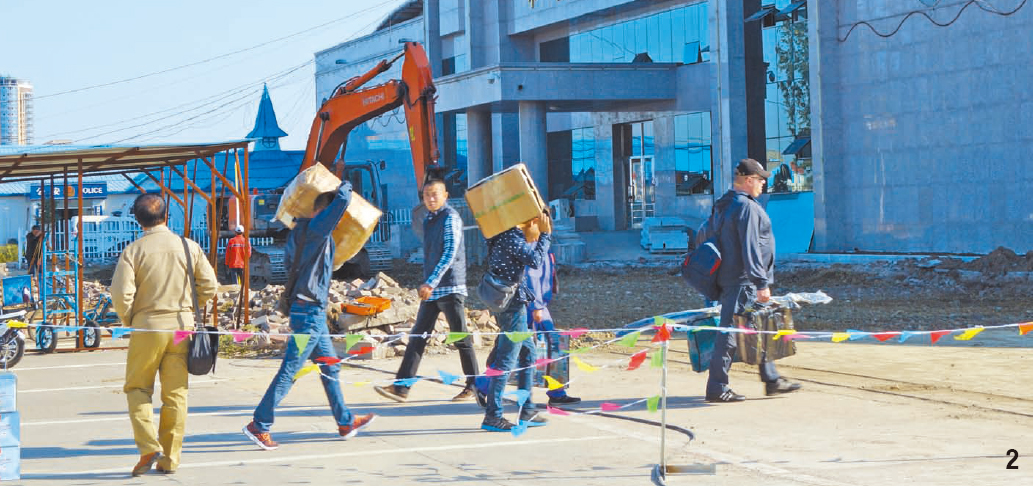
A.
pixel 981 4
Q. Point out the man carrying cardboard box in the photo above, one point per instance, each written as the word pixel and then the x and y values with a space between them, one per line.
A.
pixel 443 290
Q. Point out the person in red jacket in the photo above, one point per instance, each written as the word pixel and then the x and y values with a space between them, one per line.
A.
pixel 237 250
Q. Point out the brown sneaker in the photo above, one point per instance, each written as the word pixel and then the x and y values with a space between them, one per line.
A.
pixel 146 461
pixel 359 423
pixel 464 395
pixel 162 470
pixel 263 439
pixel 393 392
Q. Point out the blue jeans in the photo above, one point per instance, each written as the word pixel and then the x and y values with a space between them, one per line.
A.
pixel 734 301
pixel 305 319
pixel 553 341
pixel 507 356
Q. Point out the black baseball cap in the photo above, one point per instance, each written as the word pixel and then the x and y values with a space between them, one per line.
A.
pixel 747 167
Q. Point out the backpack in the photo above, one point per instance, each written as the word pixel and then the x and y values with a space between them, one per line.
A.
pixel 700 266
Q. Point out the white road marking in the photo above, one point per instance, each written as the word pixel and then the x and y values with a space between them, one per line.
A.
pixel 312 457
pixel 19 370
pixel 99 387
pixel 126 417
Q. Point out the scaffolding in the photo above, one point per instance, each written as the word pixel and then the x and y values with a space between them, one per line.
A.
pixel 161 164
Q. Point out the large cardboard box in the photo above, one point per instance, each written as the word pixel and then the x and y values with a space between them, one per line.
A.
pixel 504 200
pixel 8 392
pixel 354 229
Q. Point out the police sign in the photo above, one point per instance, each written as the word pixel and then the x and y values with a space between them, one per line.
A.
pixel 89 190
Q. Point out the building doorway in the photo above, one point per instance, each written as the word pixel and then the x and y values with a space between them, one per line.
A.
pixel 641 180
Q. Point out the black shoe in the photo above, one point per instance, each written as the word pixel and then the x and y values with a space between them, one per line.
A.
pixel 482 399
pixel 393 392
pixel 497 424
pixel 564 400
pixel 780 385
pixel 728 396
pixel 532 418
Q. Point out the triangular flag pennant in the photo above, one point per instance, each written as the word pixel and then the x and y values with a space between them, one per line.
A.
pixel 885 336
pixel 968 334
pixel 630 339
pixel 663 334
pixel 551 383
pixel 937 334
pixel 455 337
pixel 179 335
pixel 652 403
pixel 118 332
pixel 658 359
pixel 519 429
pixel 583 366
pixel 15 324
pixel 362 350
pixel 659 320
pixel 300 341
pixel 518 337
pixel 1025 328
pixel 609 407
pixel 555 411
pixel 361 383
pixel 543 361
pixel 905 335
pixel 519 396
pixel 241 336
pixel 637 359
pixel 407 382
pixel 327 360
pixel 447 378
pixel 839 337
pixel 784 332
pixel 489 372
pixel 579 350
pixel 856 334
pixel 350 340
pixel 574 333
pixel 794 337
pixel 306 370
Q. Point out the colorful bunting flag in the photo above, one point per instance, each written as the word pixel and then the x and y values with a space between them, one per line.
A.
pixel 300 341
pixel 350 340
pixel 583 366
pixel 905 335
pixel 489 372
pixel 609 407
pixel 327 360
pixel 659 320
pixel 575 333
pixel 519 396
pixel 1025 328
pixel 543 361
pixel 630 339
pixel 179 335
pixel 519 429
pixel 555 411
pixel 455 337
pixel 937 334
pixel 306 370
pixel 885 336
pixel 362 350
pixel 118 332
pixel 658 359
pixel 15 324
pixel 241 336
pixel 518 337
pixel 637 359
pixel 652 403
pixel 783 332
pixel 551 383
pixel 407 382
pixel 447 378
pixel 969 334
pixel 795 337
pixel 361 383
pixel 839 337
pixel 663 334
pixel 856 334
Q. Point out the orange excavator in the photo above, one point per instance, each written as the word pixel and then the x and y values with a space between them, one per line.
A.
pixel 351 104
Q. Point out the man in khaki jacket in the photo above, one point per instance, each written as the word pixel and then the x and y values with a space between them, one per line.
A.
pixel 151 290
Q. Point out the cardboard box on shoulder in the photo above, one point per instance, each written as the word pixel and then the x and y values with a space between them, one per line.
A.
pixel 504 200
pixel 355 227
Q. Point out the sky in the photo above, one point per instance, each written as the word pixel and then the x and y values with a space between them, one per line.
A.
pixel 195 68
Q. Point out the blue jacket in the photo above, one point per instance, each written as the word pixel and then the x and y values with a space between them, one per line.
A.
pixel 310 249
pixel 542 282
pixel 509 253
pixel 746 242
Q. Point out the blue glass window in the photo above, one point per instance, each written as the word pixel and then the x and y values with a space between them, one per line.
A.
pixel 692 154
pixel 582 164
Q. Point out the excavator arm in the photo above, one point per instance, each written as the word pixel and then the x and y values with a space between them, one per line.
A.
pixel 351 105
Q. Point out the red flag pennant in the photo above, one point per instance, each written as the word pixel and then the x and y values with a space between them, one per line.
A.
pixel 555 411
pixel 637 359
pixel 575 333
pixel 327 360
pixel 937 334
pixel 885 336
pixel 542 362
pixel 609 407
pixel 492 372
pixel 362 350
pixel 181 335
pixel 663 334
pixel 1025 328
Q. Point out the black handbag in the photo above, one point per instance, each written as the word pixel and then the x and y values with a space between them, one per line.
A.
pixel 495 294
pixel 204 343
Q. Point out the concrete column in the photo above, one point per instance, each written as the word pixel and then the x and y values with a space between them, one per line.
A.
pixel 432 34
pixel 729 91
pixel 505 140
pixel 533 150
pixel 479 157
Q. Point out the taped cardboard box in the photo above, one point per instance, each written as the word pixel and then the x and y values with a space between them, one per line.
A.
pixel 354 229
pixel 504 200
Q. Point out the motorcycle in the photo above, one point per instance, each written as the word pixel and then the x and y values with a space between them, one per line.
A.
pixel 12 339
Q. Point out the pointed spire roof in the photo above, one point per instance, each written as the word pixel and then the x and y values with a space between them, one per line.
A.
pixel 265 122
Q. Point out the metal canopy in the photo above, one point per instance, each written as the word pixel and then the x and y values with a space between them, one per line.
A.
pixel 20 163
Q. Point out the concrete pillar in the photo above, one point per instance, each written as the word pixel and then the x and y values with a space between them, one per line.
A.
pixel 479 157
pixel 533 149
pixel 505 140
pixel 729 92
pixel 432 34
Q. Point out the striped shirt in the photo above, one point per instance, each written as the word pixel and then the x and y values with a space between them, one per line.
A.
pixel 453 236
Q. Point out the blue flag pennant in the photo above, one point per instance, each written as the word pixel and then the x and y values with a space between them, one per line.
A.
pixel 519 429
pixel 905 335
pixel 407 382
pixel 519 396
pixel 447 378
pixel 118 332
pixel 856 334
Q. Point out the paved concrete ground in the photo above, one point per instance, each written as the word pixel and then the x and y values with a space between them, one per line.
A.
pixel 868 414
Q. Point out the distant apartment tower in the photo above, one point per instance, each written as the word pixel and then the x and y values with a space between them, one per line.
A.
pixel 15 111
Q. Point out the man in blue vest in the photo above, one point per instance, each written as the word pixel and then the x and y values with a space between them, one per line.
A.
pixel 443 290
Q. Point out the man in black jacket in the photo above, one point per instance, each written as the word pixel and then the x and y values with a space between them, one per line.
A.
pixel 746 273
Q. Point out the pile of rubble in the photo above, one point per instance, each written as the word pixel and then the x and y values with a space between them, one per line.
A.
pixel 400 317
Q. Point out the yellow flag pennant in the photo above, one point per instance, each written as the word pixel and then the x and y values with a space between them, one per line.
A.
pixel 968 334
pixel 840 337
pixel 583 366
pixel 552 384
pixel 360 383
pixel 306 370
pixel 785 332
